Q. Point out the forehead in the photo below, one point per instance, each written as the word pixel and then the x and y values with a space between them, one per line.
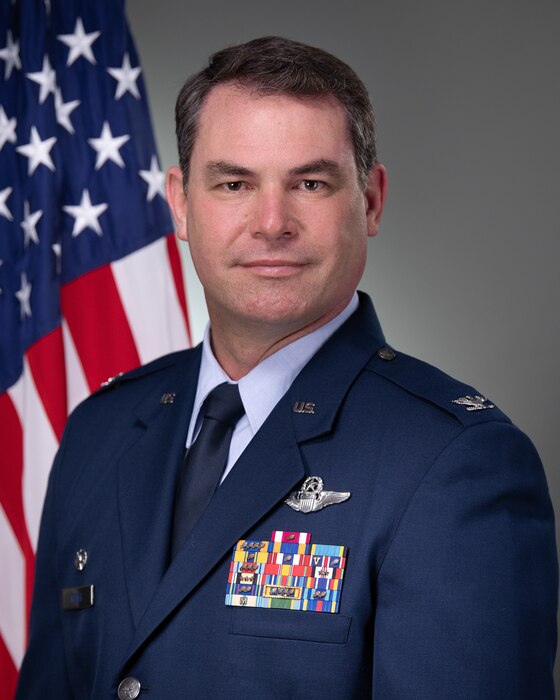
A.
pixel 236 122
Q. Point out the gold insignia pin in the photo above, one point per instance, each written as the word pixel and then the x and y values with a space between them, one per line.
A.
pixel 167 398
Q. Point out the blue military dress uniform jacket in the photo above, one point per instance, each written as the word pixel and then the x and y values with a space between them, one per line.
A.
pixel 450 582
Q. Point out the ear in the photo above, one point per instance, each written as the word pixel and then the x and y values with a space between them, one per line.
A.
pixel 374 196
pixel 177 200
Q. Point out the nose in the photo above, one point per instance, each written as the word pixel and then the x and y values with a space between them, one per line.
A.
pixel 273 215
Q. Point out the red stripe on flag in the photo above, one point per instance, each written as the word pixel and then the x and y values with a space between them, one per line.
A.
pixel 12 472
pixel 46 361
pixel 97 321
pixel 8 673
pixel 11 486
pixel 175 263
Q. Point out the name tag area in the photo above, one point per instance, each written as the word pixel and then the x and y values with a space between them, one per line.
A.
pixel 78 598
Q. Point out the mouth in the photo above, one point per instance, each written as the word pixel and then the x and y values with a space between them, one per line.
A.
pixel 274 268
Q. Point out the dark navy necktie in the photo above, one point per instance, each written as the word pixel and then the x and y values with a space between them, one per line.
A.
pixel 205 460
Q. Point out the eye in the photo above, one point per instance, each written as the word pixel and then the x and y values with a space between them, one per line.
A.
pixel 312 185
pixel 233 186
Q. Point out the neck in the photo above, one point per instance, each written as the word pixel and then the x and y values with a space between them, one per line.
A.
pixel 239 349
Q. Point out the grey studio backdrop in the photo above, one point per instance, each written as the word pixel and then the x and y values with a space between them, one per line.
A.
pixel 465 271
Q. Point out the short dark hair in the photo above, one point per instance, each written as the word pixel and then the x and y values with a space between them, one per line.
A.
pixel 273 65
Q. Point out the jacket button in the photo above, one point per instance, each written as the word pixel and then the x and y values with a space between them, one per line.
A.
pixel 386 353
pixel 129 689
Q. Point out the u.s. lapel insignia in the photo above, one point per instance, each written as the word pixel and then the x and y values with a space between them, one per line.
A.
pixel 311 496
pixel 286 572
pixel 474 403
pixel 304 407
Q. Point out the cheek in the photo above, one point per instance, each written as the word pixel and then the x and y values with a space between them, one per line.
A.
pixel 348 237
pixel 348 250
pixel 203 249
pixel 203 233
pixel 212 222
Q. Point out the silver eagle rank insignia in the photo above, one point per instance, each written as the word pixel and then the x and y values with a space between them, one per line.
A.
pixel 311 496
pixel 474 403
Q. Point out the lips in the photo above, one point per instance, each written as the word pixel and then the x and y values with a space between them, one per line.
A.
pixel 270 267
pixel 272 262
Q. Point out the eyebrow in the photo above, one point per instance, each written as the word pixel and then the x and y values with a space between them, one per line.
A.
pixel 217 168
pixel 221 168
pixel 319 166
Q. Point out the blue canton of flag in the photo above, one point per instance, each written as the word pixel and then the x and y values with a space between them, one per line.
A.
pixel 80 184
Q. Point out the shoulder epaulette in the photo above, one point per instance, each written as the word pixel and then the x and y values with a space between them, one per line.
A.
pixel 430 384
pixel 143 371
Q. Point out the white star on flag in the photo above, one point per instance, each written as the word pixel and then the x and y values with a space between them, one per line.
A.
pixel 37 151
pixel 155 179
pixel 4 211
pixel 64 110
pixel 79 43
pixel 127 77
pixel 86 214
pixel 46 78
pixel 29 224
pixel 7 128
pixel 57 250
pixel 10 54
pixel 23 296
pixel 107 147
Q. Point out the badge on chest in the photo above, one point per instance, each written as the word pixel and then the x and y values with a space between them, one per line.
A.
pixel 286 572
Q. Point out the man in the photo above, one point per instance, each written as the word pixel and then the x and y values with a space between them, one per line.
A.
pixel 379 529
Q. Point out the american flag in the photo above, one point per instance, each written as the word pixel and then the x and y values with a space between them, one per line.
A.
pixel 90 276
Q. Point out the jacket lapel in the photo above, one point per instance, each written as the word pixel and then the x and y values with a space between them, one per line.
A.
pixel 251 489
pixel 146 480
pixel 269 468
pixel 327 378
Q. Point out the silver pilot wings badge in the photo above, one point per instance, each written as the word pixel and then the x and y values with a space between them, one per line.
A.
pixel 311 496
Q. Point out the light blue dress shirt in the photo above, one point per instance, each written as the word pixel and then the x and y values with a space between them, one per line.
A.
pixel 264 385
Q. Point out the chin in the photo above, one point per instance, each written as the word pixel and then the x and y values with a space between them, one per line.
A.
pixel 291 316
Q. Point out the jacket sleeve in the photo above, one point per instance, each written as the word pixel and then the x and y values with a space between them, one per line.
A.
pixel 467 593
pixel 43 672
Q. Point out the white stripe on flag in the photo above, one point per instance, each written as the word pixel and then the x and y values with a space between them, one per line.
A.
pixel 76 385
pixel 145 283
pixel 12 592
pixel 196 303
pixel 39 449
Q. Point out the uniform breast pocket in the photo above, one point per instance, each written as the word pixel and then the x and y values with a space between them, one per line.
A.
pixel 307 626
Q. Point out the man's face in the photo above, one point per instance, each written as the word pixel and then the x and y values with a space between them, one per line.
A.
pixel 276 221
